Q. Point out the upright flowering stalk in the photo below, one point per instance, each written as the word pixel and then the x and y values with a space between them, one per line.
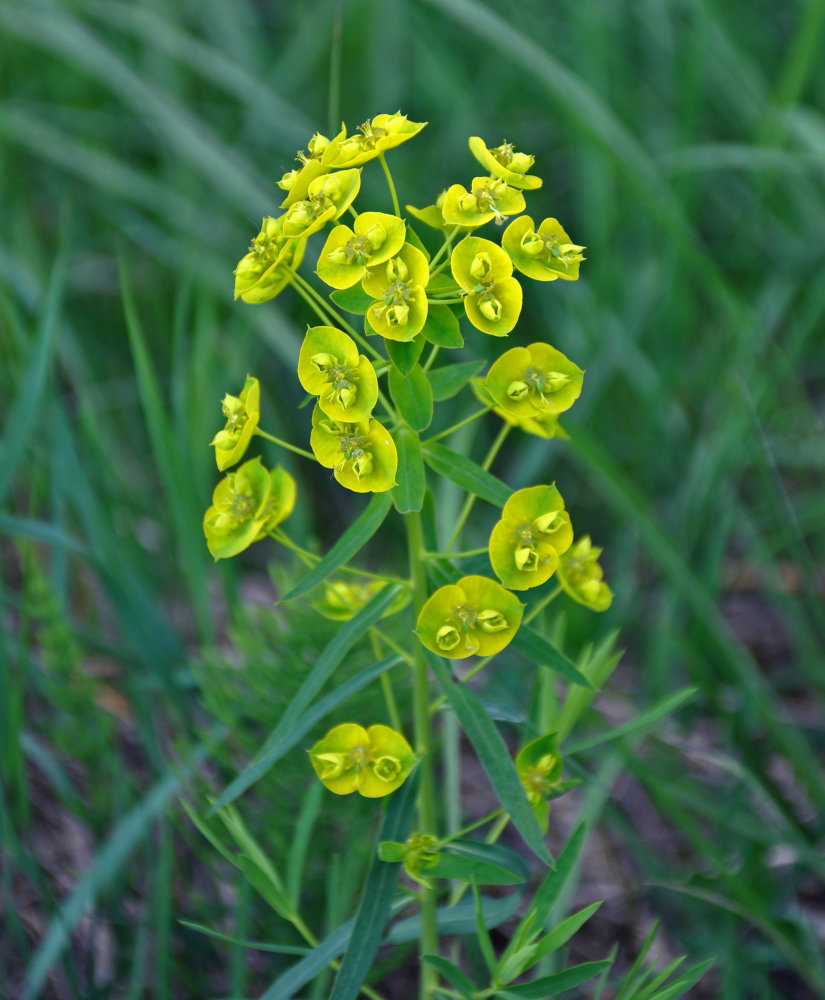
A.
pixel 375 394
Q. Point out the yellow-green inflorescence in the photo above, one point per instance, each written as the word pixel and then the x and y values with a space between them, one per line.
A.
pixel 380 272
pixel 475 616
pixel 372 762
pixel 533 532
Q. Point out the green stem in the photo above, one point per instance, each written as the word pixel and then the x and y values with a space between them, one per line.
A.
pixel 444 302
pixel 428 941
pixel 468 503
pixel 388 175
pixel 472 826
pixel 329 313
pixel 537 610
pixel 455 555
pixel 458 426
pixel 386 687
pixel 433 355
pixel 448 239
pixel 491 838
pixel 334 964
pixel 310 559
pixel 285 444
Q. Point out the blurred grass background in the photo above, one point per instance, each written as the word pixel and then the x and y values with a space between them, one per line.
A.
pixel 683 141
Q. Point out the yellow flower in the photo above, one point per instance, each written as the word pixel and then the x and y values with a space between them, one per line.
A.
pixel 347 254
pixel 581 576
pixel 529 381
pixel 506 162
pixel 328 197
pixel 242 414
pixel 263 272
pixel 377 135
pixel 362 455
pixel 490 198
pixel 475 616
pixel 343 600
pixel 330 367
pixel 544 254
pixel 526 543
pixel 493 296
pixel 400 309
pixel 373 762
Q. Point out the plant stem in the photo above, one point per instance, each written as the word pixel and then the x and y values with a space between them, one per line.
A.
pixel 285 444
pixel 428 941
pixel 388 175
pixel 433 355
pixel 448 239
pixel 309 559
pixel 458 426
pixel 328 313
pixel 386 687
pixel 468 503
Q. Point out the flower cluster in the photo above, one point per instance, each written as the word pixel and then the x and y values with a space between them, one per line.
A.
pixel 372 762
pixel 390 296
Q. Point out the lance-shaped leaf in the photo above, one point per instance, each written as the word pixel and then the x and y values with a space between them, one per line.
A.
pixel 408 494
pixel 413 396
pixel 466 473
pixel 451 379
pixel 494 756
pixel 544 654
pixel 349 544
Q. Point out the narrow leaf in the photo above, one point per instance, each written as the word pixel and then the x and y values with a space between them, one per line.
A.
pixel 494 856
pixel 459 919
pixel 379 889
pixel 494 757
pixel 273 750
pixel 466 473
pixel 549 986
pixel 466 869
pixel 544 654
pixel 354 300
pixel 349 544
pixel 454 976
pixel 639 723
pixel 413 396
pixel 566 929
pixel 405 353
pixel 278 949
pixel 442 327
pixel 408 494
pixel 483 935
pixel 448 380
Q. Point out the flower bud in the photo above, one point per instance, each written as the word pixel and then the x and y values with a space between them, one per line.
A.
pixel 518 390
pixel 323 362
pixel 398 315
pixel 492 621
pixel 397 270
pixel 362 466
pixel 481 266
pixel 448 637
pixel 375 235
pixel 287 182
pixel 490 309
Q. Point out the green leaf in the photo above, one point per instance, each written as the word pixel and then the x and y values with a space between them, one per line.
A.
pixel 379 889
pixel 454 976
pixel 413 237
pixel 483 935
pixel 488 864
pixel 335 650
pixel 278 949
pixel 26 406
pixel 259 881
pixel 459 919
pixel 408 495
pixel 273 750
pixel 413 396
pixel 466 473
pixel 566 929
pixel 449 380
pixel 544 654
pixel 494 756
pixel 442 327
pixel 405 353
pixel 354 300
pixel 107 866
pixel 640 722
pixel 290 982
pixel 349 544
pixel 549 986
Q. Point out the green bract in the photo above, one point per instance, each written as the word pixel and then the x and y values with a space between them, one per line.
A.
pixel 328 197
pixel 534 380
pixel 505 162
pixel 342 601
pixel 245 505
pixel 474 616
pixel 330 367
pixel 399 286
pixel 377 135
pixel 544 424
pixel 362 455
pixel 545 254
pixel 490 198
pixel 493 296
pixel 581 575
pixel 372 762
pixel 347 253
pixel 262 273
pixel 296 182
pixel 539 766
pixel 526 543
pixel 242 415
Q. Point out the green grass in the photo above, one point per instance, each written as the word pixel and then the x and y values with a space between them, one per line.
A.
pixel 682 142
